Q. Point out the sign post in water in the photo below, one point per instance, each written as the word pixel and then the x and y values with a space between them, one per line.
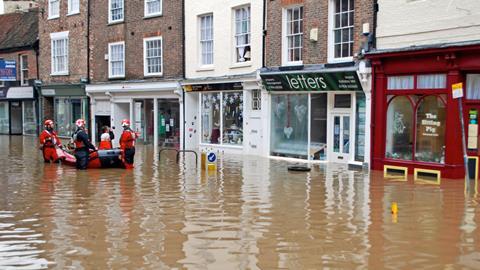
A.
pixel 457 93
pixel 211 161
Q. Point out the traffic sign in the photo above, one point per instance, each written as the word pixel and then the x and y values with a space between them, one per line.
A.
pixel 211 157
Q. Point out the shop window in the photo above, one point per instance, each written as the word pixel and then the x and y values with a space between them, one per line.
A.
pixel 211 118
pixel 399 139
pixel 293 37
pixel 400 82
pixel 473 86
pixel 242 34
pixel 342 101
pixel 289 126
pixel 4 118
pixel 360 126
pixel 29 118
pixel 256 100
pixel 432 81
pixel 232 118
pixel 67 111
pixel 206 39
pixel 430 140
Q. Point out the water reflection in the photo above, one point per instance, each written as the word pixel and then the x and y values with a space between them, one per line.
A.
pixel 251 214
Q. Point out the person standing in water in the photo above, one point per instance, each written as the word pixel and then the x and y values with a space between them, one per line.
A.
pixel 82 145
pixel 49 142
pixel 105 139
pixel 127 144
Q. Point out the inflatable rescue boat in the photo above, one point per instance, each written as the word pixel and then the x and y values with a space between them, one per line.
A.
pixel 111 158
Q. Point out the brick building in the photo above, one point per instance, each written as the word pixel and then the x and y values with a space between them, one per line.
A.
pixel 63 36
pixel 317 80
pixel 136 64
pixel 19 54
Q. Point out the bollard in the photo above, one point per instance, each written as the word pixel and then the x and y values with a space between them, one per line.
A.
pixel 394 208
pixel 203 160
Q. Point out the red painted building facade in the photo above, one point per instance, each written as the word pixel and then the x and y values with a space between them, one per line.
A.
pixel 415 120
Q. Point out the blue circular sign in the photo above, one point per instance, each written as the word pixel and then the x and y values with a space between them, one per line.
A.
pixel 211 157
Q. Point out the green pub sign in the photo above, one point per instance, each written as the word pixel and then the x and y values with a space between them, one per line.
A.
pixel 328 81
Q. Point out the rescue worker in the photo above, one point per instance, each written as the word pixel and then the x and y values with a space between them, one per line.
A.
pixel 49 142
pixel 105 139
pixel 82 145
pixel 127 144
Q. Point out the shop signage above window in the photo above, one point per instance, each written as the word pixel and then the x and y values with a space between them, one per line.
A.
pixel 328 81
pixel 213 87
pixel 8 70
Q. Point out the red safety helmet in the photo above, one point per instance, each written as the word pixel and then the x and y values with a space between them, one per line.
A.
pixel 125 123
pixel 80 123
pixel 48 122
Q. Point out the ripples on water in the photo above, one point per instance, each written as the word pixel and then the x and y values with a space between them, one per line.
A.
pixel 251 214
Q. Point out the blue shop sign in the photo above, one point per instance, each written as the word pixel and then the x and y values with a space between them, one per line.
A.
pixel 8 70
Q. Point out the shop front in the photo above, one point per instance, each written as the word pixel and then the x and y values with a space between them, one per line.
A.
pixel 416 124
pixel 153 109
pixel 317 115
pixel 224 115
pixel 18 111
pixel 65 104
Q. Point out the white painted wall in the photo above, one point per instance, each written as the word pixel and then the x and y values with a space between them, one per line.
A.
pixel 223 33
pixel 403 23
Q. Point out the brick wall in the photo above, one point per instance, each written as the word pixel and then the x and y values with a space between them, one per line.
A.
pixel 315 16
pixel 32 62
pixel 77 27
pixel 132 31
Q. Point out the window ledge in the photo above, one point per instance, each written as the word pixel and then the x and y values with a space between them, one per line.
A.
pixel 241 64
pixel 54 17
pixel 59 74
pixel 116 22
pixel 340 60
pixel 230 146
pixel 154 15
pixel 206 68
pixel 116 77
pixel 151 75
pixel 296 63
pixel 73 13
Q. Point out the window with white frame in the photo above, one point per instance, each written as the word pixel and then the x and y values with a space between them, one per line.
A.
pixel 116 60
pixel 256 100
pixel 293 39
pixel 59 53
pixel 152 53
pixel 206 39
pixel 153 7
pixel 343 22
pixel 115 11
pixel 73 6
pixel 24 69
pixel 242 34
pixel 53 9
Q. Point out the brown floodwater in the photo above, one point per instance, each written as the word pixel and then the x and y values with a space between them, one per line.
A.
pixel 251 214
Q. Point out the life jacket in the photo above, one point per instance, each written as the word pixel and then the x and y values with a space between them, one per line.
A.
pixel 127 140
pixel 48 139
pixel 105 142
pixel 78 143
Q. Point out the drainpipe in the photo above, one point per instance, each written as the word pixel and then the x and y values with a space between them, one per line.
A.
pixel 183 75
pixel 374 84
pixel 88 41
pixel 375 14
pixel 264 32
pixel 38 89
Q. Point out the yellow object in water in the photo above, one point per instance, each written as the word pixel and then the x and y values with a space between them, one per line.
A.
pixel 212 167
pixel 394 208
pixel 203 160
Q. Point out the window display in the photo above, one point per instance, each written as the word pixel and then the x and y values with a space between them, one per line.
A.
pixel 66 112
pixel 399 140
pixel 232 118
pixel 289 126
pixel 4 118
pixel 211 118
pixel 318 139
pixel 430 141
pixel 360 126
pixel 29 118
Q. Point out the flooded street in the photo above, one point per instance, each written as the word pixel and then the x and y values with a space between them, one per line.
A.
pixel 251 214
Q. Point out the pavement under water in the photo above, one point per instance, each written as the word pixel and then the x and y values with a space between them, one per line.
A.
pixel 251 214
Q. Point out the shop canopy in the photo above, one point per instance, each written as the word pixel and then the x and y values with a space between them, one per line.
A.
pixel 17 93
